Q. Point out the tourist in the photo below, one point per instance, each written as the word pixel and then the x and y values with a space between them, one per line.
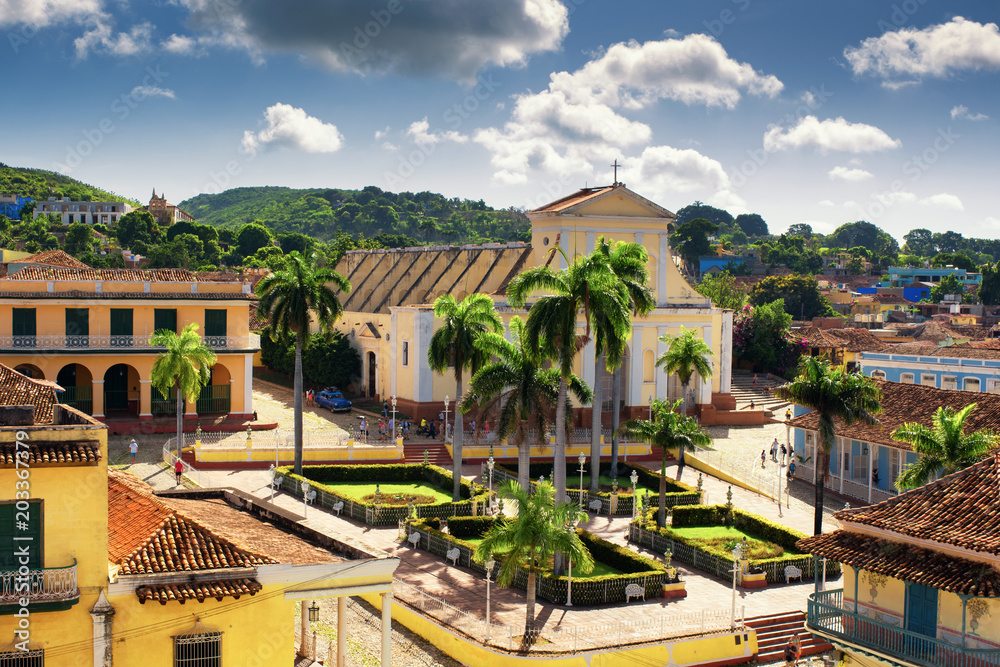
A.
pixel 774 450
pixel 178 469
pixel 441 416
pixel 133 449
pixel 486 429
pixel 788 414
pixel 472 427
pixel 793 650
pixel 381 430
pixel 385 408
pixel 755 381
pixel 363 427
pixel 791 471
pixel 784 452
pixel 430 430
pixel 763 457
pixel 752 405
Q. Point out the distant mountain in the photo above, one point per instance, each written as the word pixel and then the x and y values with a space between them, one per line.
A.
pixel 42 184
pixel 322 213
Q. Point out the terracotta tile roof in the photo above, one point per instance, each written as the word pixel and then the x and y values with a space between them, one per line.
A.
pixel 109 275
pixel 200 590
pixel 890 299
pixel 87 452
pixel 902 403
pixel 572 200
pixel 16 389
pixel 906 562
pixel 57 258
pixel 851 340
pixel 257 322
pixel 964 351
pixel 146 296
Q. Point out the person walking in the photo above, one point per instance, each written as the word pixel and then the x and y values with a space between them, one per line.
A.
pixel 755 382
pixel 763 457
pixel 385 408
pixel 774 450
pixel 133 449
pixel 784 452
pixel 178 469
pixel 791 471
pixel 793 651
pixel 363 427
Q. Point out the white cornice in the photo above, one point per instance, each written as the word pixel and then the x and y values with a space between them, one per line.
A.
pixel 930 545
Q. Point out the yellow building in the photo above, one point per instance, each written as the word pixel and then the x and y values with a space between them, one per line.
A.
pixel 89 331
pixel 97 570
pixel 878 306
pixel 389 314
pixel 921 579
pixel 840 347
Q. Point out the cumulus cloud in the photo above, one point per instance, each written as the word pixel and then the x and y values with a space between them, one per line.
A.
pixel 829 135
pixel 41 13
pixel 889 198
pixel 827 203
pixel 846 174
pixel 142 92
pixel 180 45
pixel 455 39
pixel 420 132
pixel 678 170
pixel 943 199
pixel 102 38
pixel 962 111
pixel 292 127
pixel 909 54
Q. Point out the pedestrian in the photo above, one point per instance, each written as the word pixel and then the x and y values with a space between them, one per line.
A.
pixel 793 650
pixel 133 449
pixel 751 404
pixel 178 469
pixel 784 452
pixel 441 416
pixel 755 381
pixel 774 450
pixel 385 408
pixel 486 428
pixel 381 430
pixel 363 427
pixel 763 457
pixel 788 414
pixel 430 430
pixel 392 426
pixel 255 415
pixel 791 471
pixel 472 427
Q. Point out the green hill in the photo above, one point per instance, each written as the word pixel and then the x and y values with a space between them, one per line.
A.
pixel 322 213
pixel 42 184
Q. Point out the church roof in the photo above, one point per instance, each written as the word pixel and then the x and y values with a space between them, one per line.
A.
pixel 587 196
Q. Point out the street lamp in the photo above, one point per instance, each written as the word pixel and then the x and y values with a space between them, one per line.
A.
pixel 489 465
pixel 569 582
pixel 582 458
pixel 446 402
pixel 490 563
pixel 307 497
pixel 313 612
pixel 393 429
pixel 650 407
pixel 275 481
pixel 737 557
pixel 634 478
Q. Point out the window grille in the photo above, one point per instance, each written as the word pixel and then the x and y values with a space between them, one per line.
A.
pixel 198 647
pixel 18 658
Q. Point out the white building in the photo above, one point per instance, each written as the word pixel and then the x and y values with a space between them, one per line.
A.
pixel 90 212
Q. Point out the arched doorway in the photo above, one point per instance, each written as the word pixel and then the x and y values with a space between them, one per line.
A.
pixel 30 371
pixel 121 390
pixel 78 383
pixel 214 397
pixel 371 374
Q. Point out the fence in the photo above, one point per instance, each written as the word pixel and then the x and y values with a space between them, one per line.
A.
pixel 763 480
pixel 805 472
pixel 188 471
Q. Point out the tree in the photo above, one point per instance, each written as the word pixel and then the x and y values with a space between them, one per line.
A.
pixel 520 388
pixel 701 210
pixel 801 295
pixel 722 290
pixel 184 365
pixel 453 345
pixel 690 240
pixel 79 238
pixel 919 242
pixel 944 448
pixel 138 226
pixel 669 429
pixel 205 233
pixel 542 527
pixel 956 259
pixel 856 266
pixel 289 299
pixel 685 356
pixel 948 285
pixel 989 289
pixel 947 241
pixel 861 233
pixel 802 229
pixel 761 336
pixel 752 224
pixel 331 360
pixel 836 395
pixel 251 237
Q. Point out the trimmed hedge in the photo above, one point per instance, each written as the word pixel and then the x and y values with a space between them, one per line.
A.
pixel 690 516
pixel 464 527
pixel 388 472
pixel 646 477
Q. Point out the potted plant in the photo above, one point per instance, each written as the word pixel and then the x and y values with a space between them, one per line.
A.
pixel 673 587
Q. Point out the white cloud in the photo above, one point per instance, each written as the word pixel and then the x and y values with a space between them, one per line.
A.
pixel 962 111
pixel 381 134
pixel 389 146
pixel 827 203
pixel 943 199
pixel 141 92
pixel 667 169
pixel 101 38
pixel 936 51
pixel 181 45
pixel 41 13
pixel 293 128
pixel 829 135
pixel 419 130
pixel 846 174
pixel 889 198
pixel 991 222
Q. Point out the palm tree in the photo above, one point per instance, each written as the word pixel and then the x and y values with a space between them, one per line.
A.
pixel 186 364
pixel 539 530
pixel 289 299
pixel 454 345
pixel 668 429
pixel 944 447
pixel 834 394
pixel 520 389
pixel 685 356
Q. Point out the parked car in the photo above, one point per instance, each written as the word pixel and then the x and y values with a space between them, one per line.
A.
pixel 333 400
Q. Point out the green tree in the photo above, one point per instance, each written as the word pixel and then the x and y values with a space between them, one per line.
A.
pixel 205 233
pixel 989 289
pixel 919 242
pixel 453 345
pixel 330 360
pixel 138 226
pixel 289 299
pixel 856 266
pixel 948 285
pixel 752 224
pixel 956 259
pixel 835 395
pixel 802 299
pixel 686 356
pixel 79 238
pixel 802 229
pixel 944 448
pixel 251 237
pixel 722 290
pixel 185 365
pixel 542 527
pixel 521 389
pixel 690 240
pixel 701 210
pixel 669 429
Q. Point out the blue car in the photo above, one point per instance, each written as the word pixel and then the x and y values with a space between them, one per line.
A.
pixel 333 400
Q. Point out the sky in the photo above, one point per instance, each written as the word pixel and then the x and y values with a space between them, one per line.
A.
pixel 822 113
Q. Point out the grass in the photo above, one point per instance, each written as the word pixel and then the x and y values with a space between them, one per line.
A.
pixel 358 490
pixel 604 482
pixel 722 537
pixel 600 569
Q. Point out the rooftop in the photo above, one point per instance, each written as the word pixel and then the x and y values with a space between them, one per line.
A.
pixel 104 275
pixel 852 340
pixel 577 197
pixel 963 351
pixel 55 258
pixel 16 389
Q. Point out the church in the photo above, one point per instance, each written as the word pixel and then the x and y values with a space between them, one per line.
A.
pixel 389 314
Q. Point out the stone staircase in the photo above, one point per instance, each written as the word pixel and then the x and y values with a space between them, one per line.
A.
pixel 774 631
pixel 413 452
pixel 743 391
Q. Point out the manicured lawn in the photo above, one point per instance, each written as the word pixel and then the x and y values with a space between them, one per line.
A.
pixel 359 490
pixel 600 569
pixel 722 537
pixel 712 532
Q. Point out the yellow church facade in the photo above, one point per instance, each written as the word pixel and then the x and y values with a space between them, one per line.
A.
pixel 389 312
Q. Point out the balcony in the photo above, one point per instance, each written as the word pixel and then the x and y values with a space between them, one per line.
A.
pixel 829 617
pixel 50 584
pixel 108 342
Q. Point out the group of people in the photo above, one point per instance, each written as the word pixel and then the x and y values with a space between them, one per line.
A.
pixel 776 449
pixel 310 396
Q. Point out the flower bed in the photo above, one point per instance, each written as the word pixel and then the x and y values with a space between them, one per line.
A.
pixel 717 559
pixel 324 479
pixel 637 569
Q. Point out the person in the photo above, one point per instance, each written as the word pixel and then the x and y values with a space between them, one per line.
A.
pixel 755 381
pixel 423 426
pixel 363 427
pixel 255 415
pixel 381 429
pixel 788 414
pixel 441 416
pixel 793 650
pixel 430 430
pixel 784 452
pixel 752 404
pixel 385 408
pixel 472 427
pixel 392 425
pixel 486 429
pixel 763 457
pixel 774 450
pixel 178 469
pixel 791 471
pixel 133 449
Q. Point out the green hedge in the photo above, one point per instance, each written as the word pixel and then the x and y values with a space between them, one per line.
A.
pixel 689 516
pixel 646 476
pixel 325 475
pixel 618 557
pixel 464 527
pixel 768 530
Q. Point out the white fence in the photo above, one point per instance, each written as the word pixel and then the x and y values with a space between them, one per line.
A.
pixel 282 444
pixel 764 480
pixel 805 472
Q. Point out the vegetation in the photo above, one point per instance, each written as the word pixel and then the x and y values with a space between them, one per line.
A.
pixel 690 240
pixel 686 356
pixel 762 336
pixel 723 290
pixel 41 184
pixel 326 360
pixel 944 448
pixel 800 296
pixel 184 365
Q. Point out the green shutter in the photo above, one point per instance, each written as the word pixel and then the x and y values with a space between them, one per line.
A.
pixel 23 321
pixel 121 327
pixel 13 525
pixel 215 322
pixel 165 318
pixel 77 327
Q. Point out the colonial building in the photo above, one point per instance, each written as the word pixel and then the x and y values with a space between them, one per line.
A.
pixel 90 212
pixel 389 312
pixel 953 367
pixel 167 214
pixel 921 580
pixel 841 347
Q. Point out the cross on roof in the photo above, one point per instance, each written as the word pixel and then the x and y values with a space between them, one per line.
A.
pixel 616 166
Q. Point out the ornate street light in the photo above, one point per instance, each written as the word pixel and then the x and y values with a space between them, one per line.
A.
pixel 737 557
pixel 634 478
pixel 582 459
pixel 313 612
pixel 308 495
pixel 489 465
pixel 490 563
pixel 393 429
pixel 447 401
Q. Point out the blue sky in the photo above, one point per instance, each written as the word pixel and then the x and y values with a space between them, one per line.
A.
pixel 822 113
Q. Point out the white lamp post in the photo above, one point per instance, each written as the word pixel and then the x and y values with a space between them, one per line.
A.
pixel 582 458
pixel 737 557
pixel 275 481
pixel 489 571
pixel 489 465
pixel 307 496
pixel 634 478
pixel 650 407
pixel 446 402
pixel 393 429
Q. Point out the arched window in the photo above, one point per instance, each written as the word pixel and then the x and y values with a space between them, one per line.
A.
pixel 906 378
pixel 878 375
pixel 648 366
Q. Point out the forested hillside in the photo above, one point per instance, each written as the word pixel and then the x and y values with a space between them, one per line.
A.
pixel 42 184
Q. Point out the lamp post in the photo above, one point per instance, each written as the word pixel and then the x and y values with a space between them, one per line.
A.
pixel 650 407
pixel 489 465
pixel 582 458
pixel 393 429
pixel 569 582
pixel 446 402
pixel 634 478
pixel 275 481
pixel 737 557
pixel 489 571
pixel 307 496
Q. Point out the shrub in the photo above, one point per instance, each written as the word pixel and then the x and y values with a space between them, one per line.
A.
pixel 618 557
pixel 688 516
pixel 766 529
pixel 465 527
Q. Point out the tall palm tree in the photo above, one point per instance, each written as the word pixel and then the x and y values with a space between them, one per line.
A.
pixel 186 364
pixel 944 447
pixel 530 539
pixel 685 356
pixel 289 299
pixel 519 387
pixel 454 345
pixel 668 429
pixel 834 394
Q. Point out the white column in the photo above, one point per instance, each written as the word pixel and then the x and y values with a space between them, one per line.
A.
pixel 726 362
pixel 342 631
pixel 635 378
pixel 871 455
pixel 304 622
pixel 564 245
pixel 590 242
pixel 386 629
pixel 661 270
pixel 247 384
pixel 705 385
pixel 660 374
pixel 102 615
pixel 393 345
pixel 423 379
pixel 147 390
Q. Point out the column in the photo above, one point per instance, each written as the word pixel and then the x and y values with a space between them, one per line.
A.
pixel 840 462
pixel 102 614
pixel 304 622
pixel 393 346
pixel 871 455
pixel 98 398
pixel 590 242
pixel 564 245
pixel 705 384
pixel 387 629
pixel 247 385
pixel 726 360
pixel 661 270
pixel 342 631
pixel 190 409
pixel 145 399
pixel 660 374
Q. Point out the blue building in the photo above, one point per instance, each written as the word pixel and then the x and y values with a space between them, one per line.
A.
pixel 901 276
pixel 11 205
pixel 719 262
pixel 965 368
pixel 916 292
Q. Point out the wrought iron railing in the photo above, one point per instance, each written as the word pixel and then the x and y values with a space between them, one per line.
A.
pixel 48 584
pixel 212 399
pixel 117 342
pixel 829 616
pixel 81 398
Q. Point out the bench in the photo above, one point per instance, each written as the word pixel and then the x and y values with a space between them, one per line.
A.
pixel 414 539
pixel 338 507
pixel 634 591
pixel 791 572
pixel 595 506
pixel 453 555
